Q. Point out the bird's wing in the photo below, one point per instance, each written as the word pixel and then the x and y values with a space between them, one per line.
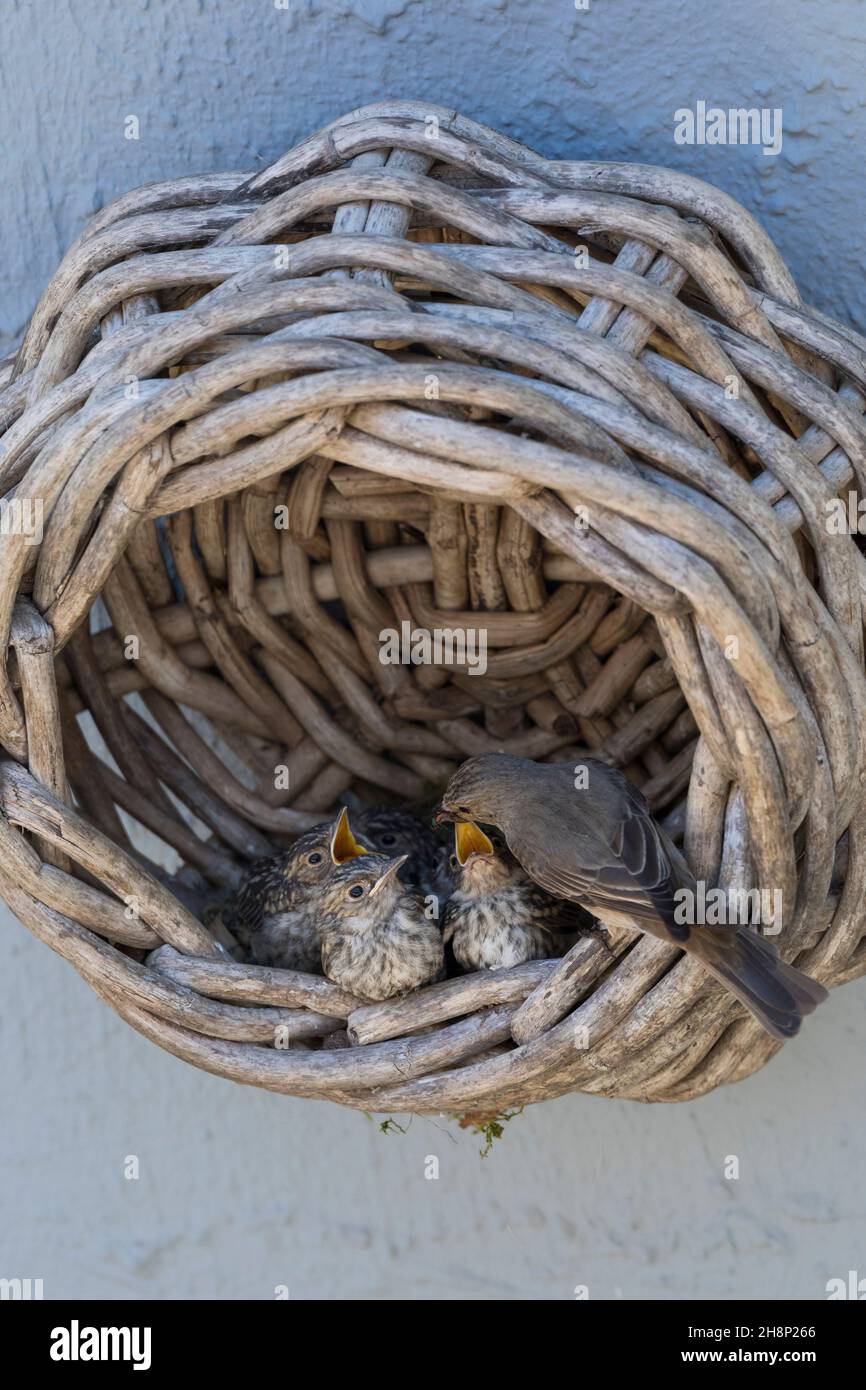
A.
pixel 628 869
pixel 263 891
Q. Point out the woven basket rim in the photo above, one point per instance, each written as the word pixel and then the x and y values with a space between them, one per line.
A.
pixel 613 337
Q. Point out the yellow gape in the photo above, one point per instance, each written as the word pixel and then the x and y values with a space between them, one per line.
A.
pixel 470 839
pixel 343 843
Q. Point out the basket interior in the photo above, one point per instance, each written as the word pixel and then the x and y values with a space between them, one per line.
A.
pixel 202 791
pixel 235 682
pixel 357 695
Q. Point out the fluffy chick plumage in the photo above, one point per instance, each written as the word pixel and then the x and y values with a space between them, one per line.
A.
pixel 377 940
pixel 275 912
pixel 497 917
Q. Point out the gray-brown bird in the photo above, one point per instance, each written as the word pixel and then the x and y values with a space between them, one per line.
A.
pixel 496 916
pixel 376 939
pixel 599 846
pixel 390 830
pixel 275 912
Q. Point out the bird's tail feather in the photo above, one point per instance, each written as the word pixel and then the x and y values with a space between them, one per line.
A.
pixel 779 995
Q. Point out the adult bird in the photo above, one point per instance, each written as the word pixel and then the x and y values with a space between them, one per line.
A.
pixel 592 840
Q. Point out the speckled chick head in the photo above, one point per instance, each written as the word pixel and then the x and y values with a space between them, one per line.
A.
pixel 361 893
pixel 480 863
pixel 286 881
pixel 316 854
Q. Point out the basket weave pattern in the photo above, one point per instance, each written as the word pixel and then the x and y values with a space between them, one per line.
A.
pixel 580 406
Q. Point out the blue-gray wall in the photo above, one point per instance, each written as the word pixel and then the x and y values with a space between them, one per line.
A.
pixel 240 1191
pixel 230 84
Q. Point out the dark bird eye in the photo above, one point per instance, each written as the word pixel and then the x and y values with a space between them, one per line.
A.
pixel 453 861
pixel 389 839
pixel 356 891
pixel 464 810
pixel 315 858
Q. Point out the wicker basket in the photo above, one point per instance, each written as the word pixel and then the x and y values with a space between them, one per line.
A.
pixel 414 373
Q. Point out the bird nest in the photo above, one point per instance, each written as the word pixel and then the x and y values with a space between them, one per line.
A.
pixel 415 379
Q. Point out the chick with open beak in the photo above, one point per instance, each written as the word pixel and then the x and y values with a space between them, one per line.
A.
pixel 496 916
pixel 274 913
pixel 377 940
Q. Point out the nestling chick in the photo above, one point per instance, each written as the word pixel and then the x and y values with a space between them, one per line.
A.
pixel 390 830
pixel 592 840
pixel 275 911
pixel 376 939
pixel 497 917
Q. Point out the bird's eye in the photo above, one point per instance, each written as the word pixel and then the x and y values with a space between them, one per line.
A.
pixel 389 839
pixel 453 862
pixel 464 810
pixel 315 858
pixel 356 891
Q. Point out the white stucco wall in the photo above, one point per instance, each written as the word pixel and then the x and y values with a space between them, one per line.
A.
pixel 240 1191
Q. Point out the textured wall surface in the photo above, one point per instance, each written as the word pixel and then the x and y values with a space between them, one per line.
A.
pixel 240 1191
pixel 230 84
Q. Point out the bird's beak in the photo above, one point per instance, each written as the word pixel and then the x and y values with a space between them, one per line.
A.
pixel 469 839
pixel 343 843
pixel 443 814
pixel 389 875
